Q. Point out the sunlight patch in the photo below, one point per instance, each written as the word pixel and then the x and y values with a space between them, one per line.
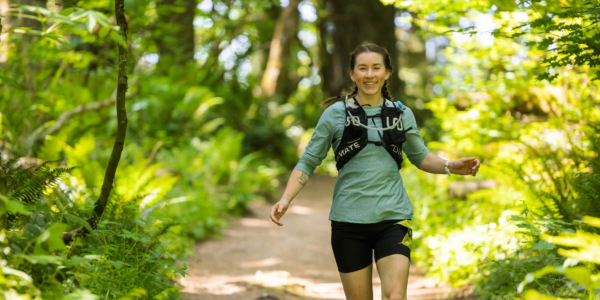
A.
pixel 255 223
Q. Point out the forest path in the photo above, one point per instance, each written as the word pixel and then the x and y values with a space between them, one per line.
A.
pixel 256 259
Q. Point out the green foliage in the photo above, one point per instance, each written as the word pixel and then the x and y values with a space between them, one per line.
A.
pixel 569 32
pixel 117 257
pixel 586 250
pixel 194 154
pixel 203 141
pixel 218 179
pixel 538 140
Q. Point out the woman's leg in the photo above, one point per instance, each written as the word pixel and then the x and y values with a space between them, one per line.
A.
pixel 358 285
pixel 393 271
pixel 353 251
pixel 392 253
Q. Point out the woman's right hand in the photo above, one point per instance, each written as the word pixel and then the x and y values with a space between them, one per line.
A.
pixel 279 210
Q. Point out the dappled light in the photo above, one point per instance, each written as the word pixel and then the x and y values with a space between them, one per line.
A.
pixel 153 149
pixel 297 262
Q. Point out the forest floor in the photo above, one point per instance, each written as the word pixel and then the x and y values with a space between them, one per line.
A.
pixel 256 259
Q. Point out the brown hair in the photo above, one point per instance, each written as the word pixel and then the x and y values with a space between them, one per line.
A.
pixel 365 47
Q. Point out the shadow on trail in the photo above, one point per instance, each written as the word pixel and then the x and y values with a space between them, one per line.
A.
pixel 256 259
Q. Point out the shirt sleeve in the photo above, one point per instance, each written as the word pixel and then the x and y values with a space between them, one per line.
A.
pixel 319 144
pixel 414 147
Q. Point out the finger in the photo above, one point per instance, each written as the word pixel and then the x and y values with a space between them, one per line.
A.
pixel 280 208
pixel 276 221
pixel 273 216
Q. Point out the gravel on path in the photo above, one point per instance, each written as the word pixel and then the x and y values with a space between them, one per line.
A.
pixel 256 259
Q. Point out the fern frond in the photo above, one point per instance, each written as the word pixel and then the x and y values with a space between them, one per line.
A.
pixel 8 164
pixel 28 184
pixel 45 164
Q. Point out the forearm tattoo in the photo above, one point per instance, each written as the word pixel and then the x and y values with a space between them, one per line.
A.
pixel 303 179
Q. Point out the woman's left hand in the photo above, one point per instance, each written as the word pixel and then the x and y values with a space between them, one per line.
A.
pixel 464 166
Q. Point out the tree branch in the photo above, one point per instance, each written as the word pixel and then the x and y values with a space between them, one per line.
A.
pixel 42 131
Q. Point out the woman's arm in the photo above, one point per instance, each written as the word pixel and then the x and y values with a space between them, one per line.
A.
pixel 313 155
pixel 296 182
pixel 462 166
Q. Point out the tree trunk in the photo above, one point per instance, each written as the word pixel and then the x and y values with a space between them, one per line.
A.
pixel 347 25
pixel 115 155
pixel 275 78
pixel 175 36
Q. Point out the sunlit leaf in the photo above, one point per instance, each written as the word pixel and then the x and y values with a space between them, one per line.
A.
pixel 592 221
pixel 22 275
pixel 41 259
pixel 91 22
pixel 81 295
pixel 535 295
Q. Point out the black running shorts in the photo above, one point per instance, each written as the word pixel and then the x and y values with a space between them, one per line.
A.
pixel 353 243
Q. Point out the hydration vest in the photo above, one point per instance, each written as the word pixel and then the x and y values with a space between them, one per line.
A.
pixel 355 138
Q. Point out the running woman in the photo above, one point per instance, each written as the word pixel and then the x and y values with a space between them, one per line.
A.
pixel 371 212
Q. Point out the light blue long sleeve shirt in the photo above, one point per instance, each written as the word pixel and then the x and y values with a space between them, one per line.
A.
pixel 369 188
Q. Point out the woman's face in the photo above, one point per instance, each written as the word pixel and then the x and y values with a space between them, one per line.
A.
pixel 369 73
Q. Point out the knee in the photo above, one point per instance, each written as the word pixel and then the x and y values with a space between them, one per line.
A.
pixel 396 296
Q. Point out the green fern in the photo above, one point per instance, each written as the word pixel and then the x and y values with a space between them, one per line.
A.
pixel 28 184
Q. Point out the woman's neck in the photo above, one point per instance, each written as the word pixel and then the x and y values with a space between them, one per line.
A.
pixel 369 100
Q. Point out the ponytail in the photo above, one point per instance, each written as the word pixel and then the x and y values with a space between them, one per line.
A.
pixel 329 101
pixel 385 92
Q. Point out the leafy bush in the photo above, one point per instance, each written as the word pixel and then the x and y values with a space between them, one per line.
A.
pixel 578 279
pixel 217 180
pixel 116 258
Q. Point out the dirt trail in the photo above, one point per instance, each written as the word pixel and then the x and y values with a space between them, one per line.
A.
pixel 256 259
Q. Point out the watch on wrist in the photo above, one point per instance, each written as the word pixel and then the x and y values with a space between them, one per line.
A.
pixel 446 167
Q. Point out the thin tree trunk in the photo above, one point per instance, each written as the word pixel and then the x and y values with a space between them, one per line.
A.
pixel 115 155
pixel 281 38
